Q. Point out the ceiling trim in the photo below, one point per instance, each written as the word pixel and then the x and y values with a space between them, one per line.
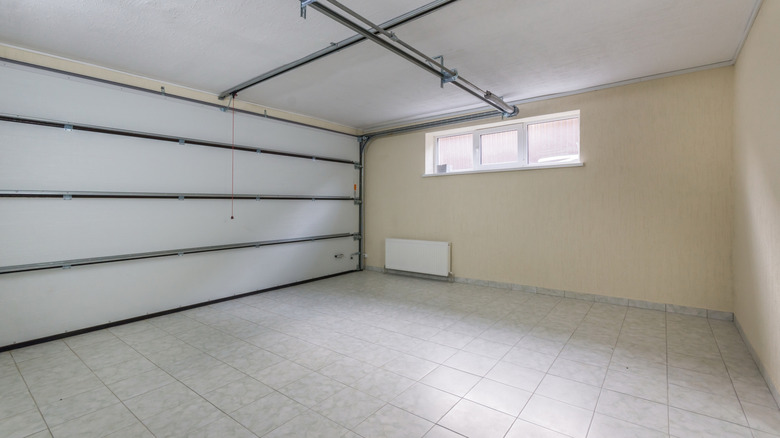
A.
pixel 462 116
pixel 746 32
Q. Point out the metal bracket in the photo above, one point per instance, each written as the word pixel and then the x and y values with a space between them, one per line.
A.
pixel 181 198
pixel 68 128
pixel 358 166
pixel 66 266
pixel 356 237
pixel 305 3
pixel 181 141
pixel 358 201
pixel 446 77
pixel 67 197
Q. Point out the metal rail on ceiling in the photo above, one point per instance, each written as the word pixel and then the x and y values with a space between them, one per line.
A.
pixel 394 44
pixel 67 264
pixel 335 47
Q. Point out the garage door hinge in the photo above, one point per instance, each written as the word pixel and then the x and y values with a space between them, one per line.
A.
pixel 356 237
pixel 358 201
pixel 358 166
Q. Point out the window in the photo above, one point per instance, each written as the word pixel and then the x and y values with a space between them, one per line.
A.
pixel 545 141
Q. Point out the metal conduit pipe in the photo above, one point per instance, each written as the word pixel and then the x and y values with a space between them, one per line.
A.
pixel 415 57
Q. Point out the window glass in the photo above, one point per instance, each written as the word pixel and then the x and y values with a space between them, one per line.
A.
pixel 498 147
pixel 455 153
pixel 554 142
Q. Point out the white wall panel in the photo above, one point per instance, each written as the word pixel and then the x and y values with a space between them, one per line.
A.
pixel 44 158
pixel 38 304
pixel 35 93
pixel 36 230
pixel 55 229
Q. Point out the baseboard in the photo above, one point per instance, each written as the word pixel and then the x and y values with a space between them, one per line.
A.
pixel 156 314
pixel 671 308
pixel 757 360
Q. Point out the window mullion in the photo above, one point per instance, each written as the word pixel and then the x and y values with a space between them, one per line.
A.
pixel 477 150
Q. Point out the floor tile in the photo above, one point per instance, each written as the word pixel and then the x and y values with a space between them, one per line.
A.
pixel 137 430
pixel 763 418
pixel 648 389
pixel 22 424
pixel 578 371
pixel 72 407
pixel 140 384
pixel 517 376
pixel 123 370
pixel 237 394
pixel 14 402
pixel 223 427
pixel 347 370
pixel 472 363
pixel 410 366
pixel 484 347
pixel 349 407
pixel 268 413
pixel 212 378
pixel 392 422
pixel 685 424
pixel 441 432
pixel 634 410
pixel 388 355
pixel 183 418
pixel 558 416
pixel 281 374
pixel 308 425
pixel 569 391
pixel 451 380
pixel 717 406
pixel 608 427
pixel 524 429
pixel 530 359
pixel 159 400
pixel 474 420
pixel 96 424
pixel 498 396
pixel 425 401
pixel 52 392
pixel 383 384
pixel 312 389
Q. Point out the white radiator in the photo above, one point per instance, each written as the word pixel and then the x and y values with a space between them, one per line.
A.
pixel 419 256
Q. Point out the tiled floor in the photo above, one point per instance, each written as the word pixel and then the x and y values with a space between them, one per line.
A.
pixel 375 355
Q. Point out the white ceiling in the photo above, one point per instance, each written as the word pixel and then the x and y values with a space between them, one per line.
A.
pixel 519 49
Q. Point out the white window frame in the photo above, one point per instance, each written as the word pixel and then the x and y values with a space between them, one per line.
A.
pixel 520 126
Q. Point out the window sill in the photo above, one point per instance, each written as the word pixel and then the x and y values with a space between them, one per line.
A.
pixel 513 169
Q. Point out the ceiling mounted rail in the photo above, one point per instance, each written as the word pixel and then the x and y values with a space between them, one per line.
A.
pixel 394 44
pixel 335 47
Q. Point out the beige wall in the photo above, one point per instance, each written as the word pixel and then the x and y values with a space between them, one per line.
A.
pixel 757 189
pixel 648 217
